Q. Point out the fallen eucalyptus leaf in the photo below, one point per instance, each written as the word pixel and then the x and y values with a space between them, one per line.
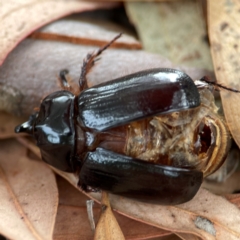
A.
pixel 18 18
pixel 224 32
pixel 174 29
pixel 107 227
pixel 28 193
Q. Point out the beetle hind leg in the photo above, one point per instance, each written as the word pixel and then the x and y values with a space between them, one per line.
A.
pixel 89 62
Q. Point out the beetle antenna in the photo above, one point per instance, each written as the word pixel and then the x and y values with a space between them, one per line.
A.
pixel 89 61
pixel 206 80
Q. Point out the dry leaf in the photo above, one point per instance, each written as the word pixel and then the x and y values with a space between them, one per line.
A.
pixel 18 18
pixel 28 193
pixel 224 32
pixel 107 227
pixel 170 30
pixel 204 216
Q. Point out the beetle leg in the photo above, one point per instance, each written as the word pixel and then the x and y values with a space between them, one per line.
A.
pixel 89 61
pixel 65 84
pixel 63 80
pixel 138 179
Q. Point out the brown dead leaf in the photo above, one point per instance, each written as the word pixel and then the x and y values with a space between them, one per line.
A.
pixel 224 32
pixel 18 18
pixel 174 29
pixel 204 216
pixel 28 193
pixel 107 227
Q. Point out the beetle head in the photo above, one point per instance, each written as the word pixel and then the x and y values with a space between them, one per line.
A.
pixel 53 129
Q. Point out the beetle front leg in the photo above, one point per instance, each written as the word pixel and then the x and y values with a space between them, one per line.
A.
pixel 137 179
pixel 63 80
pixel 89 61
pixel 65 84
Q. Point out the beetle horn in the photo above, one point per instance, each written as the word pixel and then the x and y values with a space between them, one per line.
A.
pixel 27 127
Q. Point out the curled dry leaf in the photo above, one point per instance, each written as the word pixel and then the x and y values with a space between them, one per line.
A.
pixel 28 193
pixel 224 32
pixel 107 227
pixel 18 18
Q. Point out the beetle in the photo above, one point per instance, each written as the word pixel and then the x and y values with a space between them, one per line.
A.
pixel 112 134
